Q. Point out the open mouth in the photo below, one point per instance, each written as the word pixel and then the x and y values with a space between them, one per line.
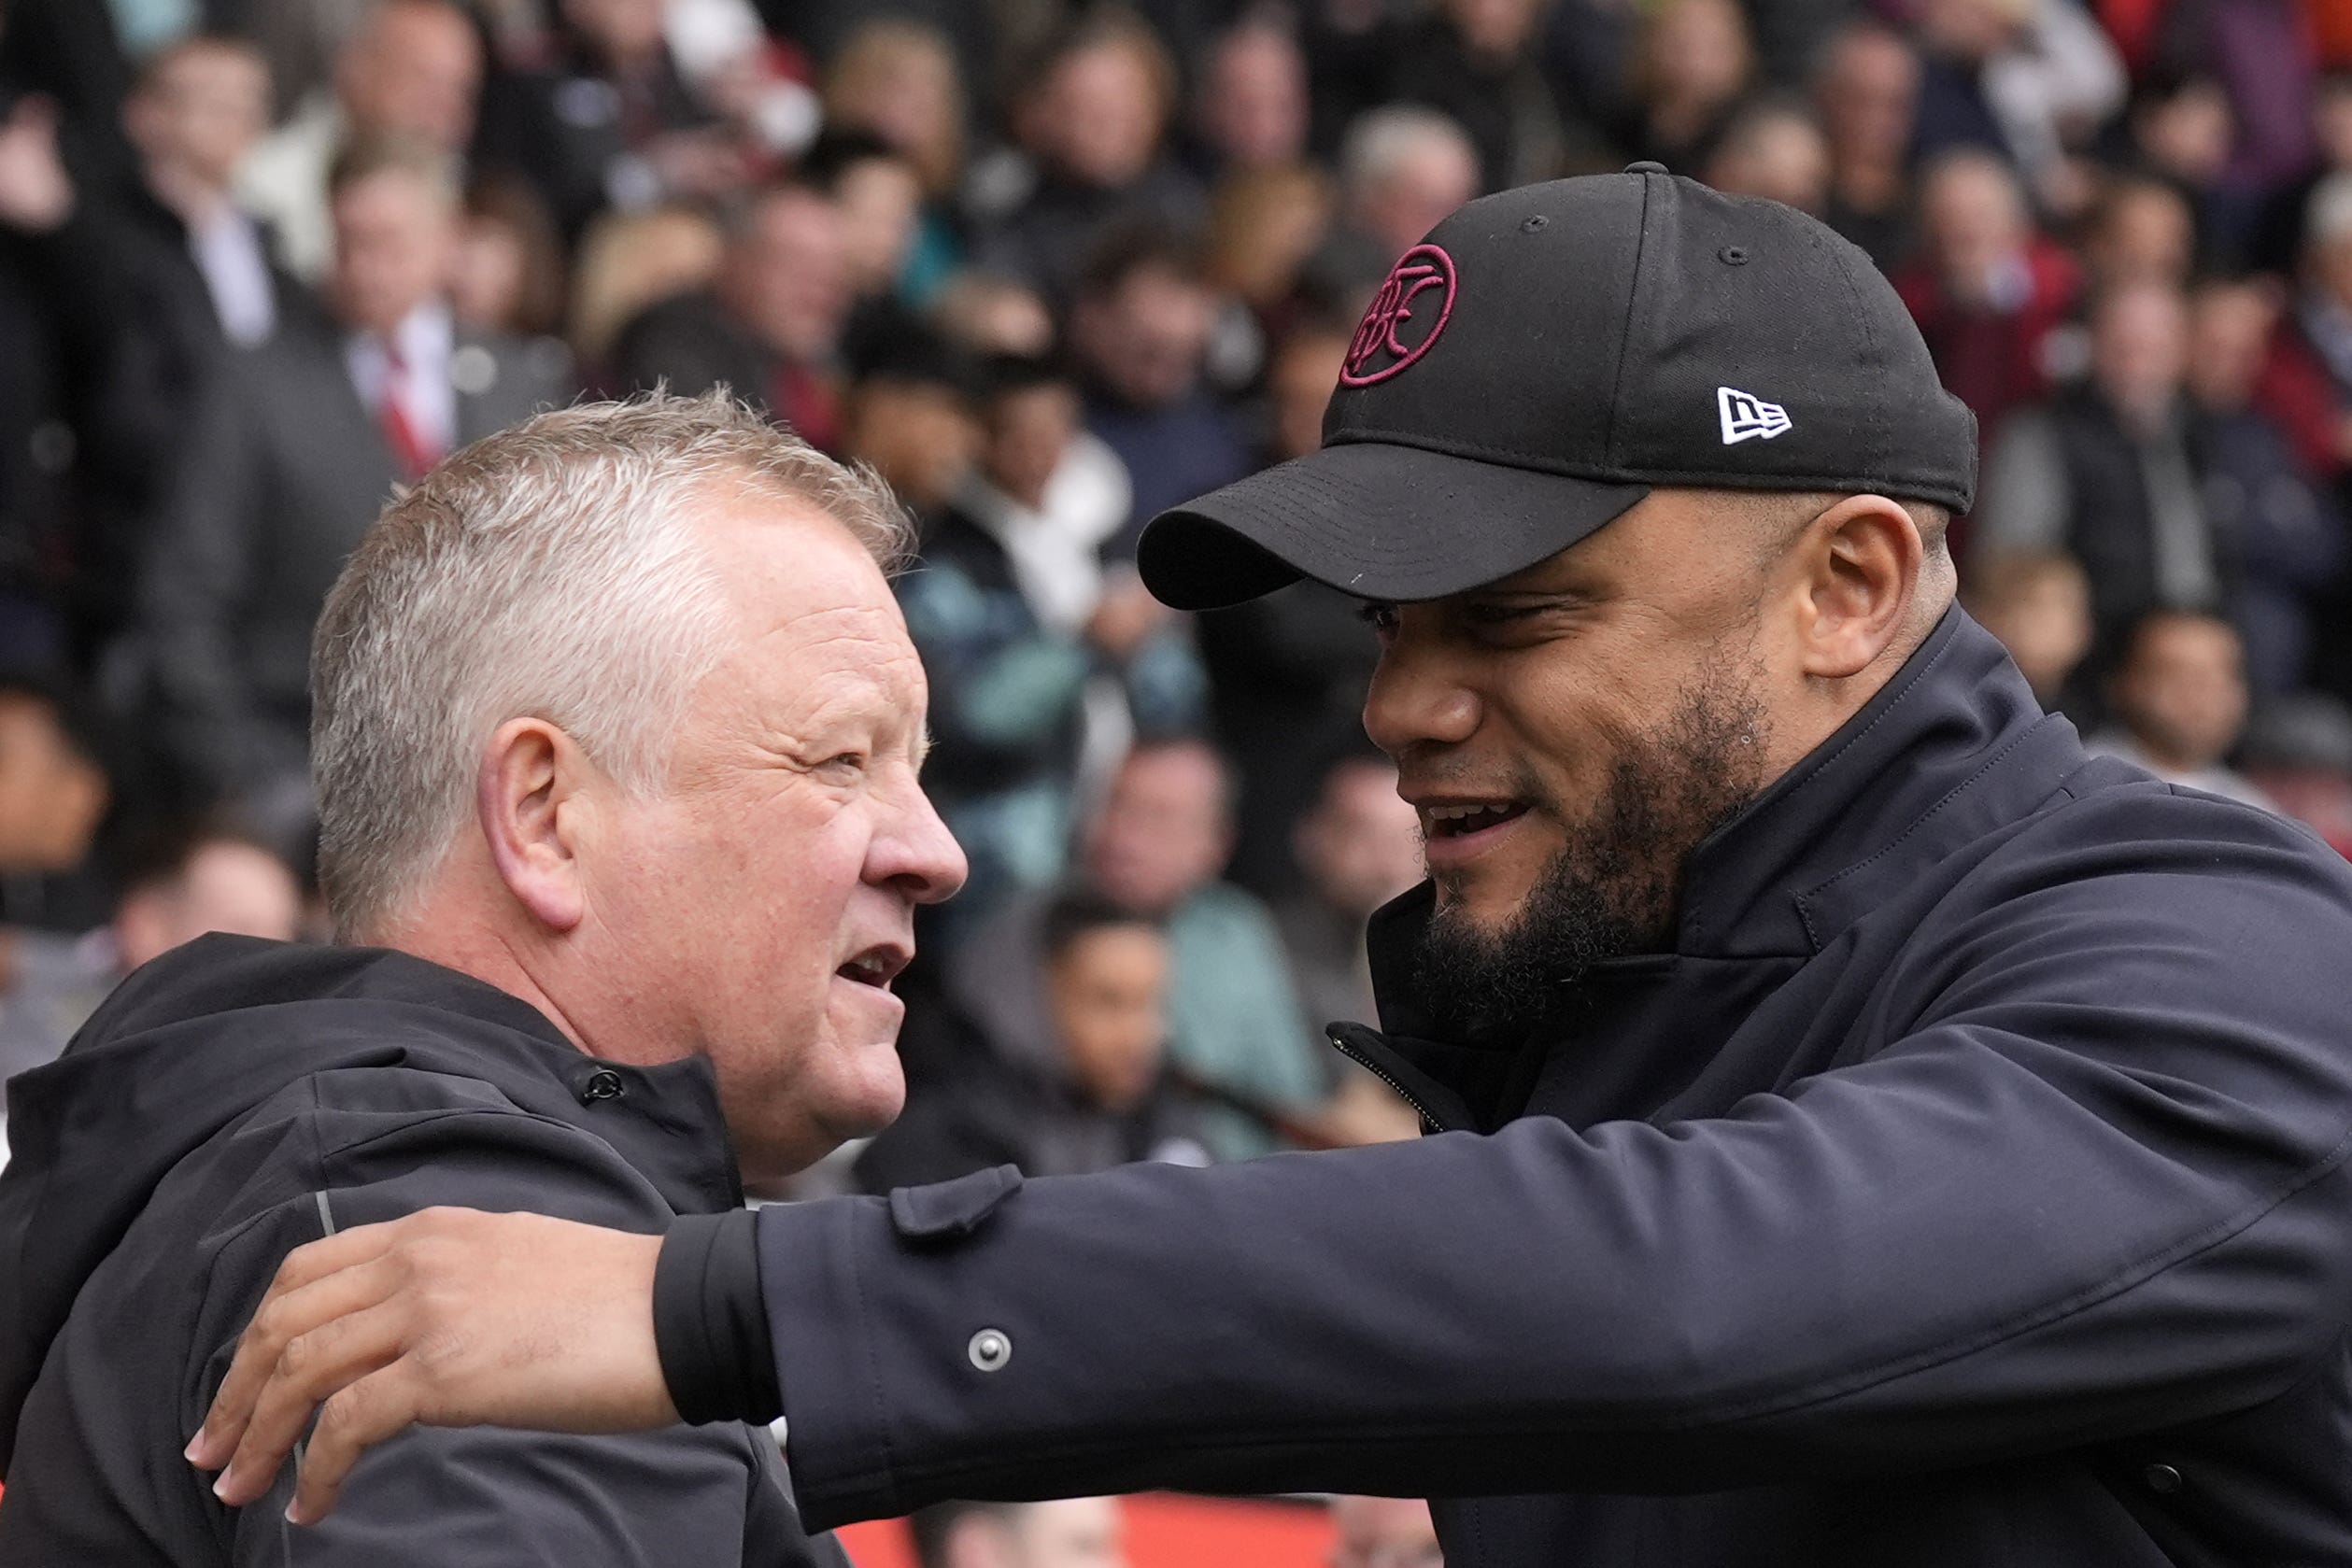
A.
pixel 1456 822
pixel 876 967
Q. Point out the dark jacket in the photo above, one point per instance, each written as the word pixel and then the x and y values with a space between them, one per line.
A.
pixel 1965 1188
pixel 239 1097
pixel 285 468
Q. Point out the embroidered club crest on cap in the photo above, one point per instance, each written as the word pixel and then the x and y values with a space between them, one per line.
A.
pixel 1404 316
pixel 1748 417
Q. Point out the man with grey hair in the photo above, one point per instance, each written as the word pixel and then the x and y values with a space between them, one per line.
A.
pixel 617 732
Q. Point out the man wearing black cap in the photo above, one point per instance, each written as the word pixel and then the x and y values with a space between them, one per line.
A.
pixel 1866 1129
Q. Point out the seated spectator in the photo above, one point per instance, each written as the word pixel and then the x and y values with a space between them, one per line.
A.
pixel 1774 148
pixel 1073 1532
pixel 2288 531
pixel 288 461
pixel 2306 386
pixel 1265 226
pixel 507 276
pixel 2111 470
pixel 768 327
pixel 2141 229
pixel 197 878
pixel 54 793
pixel 2023 80
pixel 628 261
pixel 2179 130
pixel 2037 603
pixel 1250 109
pixel 1384 1532
pixel 1867 92
pixel 1692 64
pixel 1479 62
pixel 880 197
pixel 1357 847
pixel 898 79
pixel 1402 169
pixel 411 68
pixel 1287 672
pixel 2178 696
pixel 1139 333
pixel 1988 292
pixel 1156 847
pixel 911 419
pixel 2260 54
pixel 993 317
pixel 1021 633
pixel 1088 125
pixel 612 122
pixel 1089 1094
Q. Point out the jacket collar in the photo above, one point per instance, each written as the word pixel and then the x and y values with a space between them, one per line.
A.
pixel 1905 779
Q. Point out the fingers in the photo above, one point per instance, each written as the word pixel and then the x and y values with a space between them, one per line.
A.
pixel 310 1288
pixel 313 1368
pixel 370 1410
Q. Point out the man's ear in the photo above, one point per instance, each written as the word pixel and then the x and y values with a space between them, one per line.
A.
pixel 526 801
pixel 1862 562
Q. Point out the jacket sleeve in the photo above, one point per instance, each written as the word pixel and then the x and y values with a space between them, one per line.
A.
pixel 2092 1189
pixel 479 1496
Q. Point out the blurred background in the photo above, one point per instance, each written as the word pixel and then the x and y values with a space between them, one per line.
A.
pixel 1051 267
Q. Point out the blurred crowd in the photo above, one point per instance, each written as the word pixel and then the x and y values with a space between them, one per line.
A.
pixel 1051 267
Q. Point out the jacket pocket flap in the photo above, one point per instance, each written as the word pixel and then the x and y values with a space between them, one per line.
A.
pixel 948 1210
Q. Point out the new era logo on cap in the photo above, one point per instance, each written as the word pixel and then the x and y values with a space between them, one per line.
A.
pixel 1745 416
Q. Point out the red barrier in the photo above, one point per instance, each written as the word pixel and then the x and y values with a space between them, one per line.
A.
pixel 1164 1531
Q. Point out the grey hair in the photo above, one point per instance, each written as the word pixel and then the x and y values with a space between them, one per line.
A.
pixel 2329 211
pixel 551 571
pixel 1379 140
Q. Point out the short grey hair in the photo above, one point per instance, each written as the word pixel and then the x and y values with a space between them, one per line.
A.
pixel 552 571
pixel 1379 141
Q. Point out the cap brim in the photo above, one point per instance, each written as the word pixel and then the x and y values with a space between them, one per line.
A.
pixel 1373 519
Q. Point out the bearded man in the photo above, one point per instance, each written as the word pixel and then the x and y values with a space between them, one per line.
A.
pixel 1865 1129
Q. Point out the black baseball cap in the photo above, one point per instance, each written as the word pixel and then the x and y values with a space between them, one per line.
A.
pixel 1547 356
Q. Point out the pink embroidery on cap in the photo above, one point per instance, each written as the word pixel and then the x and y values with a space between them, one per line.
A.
pixel 1379 349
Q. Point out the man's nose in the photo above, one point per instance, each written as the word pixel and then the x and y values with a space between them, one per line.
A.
pixel 1418 698
pixel 917 854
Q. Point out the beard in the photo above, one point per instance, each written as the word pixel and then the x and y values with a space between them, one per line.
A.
pixel 1612 889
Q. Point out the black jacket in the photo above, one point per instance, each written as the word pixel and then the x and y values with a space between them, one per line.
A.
pixel 238 1098
pixel 1965 1188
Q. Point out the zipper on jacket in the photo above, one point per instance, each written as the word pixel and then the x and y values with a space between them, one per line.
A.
pixel 1429 1118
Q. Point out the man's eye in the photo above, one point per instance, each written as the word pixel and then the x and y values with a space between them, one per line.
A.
pixel 853 762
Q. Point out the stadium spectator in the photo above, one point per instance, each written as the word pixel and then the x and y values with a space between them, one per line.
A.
pixel 2139 230
pixel 1988 291
pixel 899 80
pixel 2307 384
pixel 1251 107
pixel 289 458
pixel 2037 603
pixel 1266 228
pixel 612 122
pixel 2112 472
pixel 1076 1533
pixel 1089 127
pixel 2288 530
pixel 1774 148
pixel 152 283
pixel 1384 1532
pixel 411 68
pixel 880 196
pixel 1479 62
pixel 1138 329
pixel 1037 659
pixel 1866 91
pixel 1694 64
pixel 200 878
pixel 911 419
pixel 55 792
pixel 1357 847
pixel 2179 700
pixel 507 274
pixel 2025 80
pixel 2298 752
pixel 768 327
pixel 1401 169
pixel 1090 1093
